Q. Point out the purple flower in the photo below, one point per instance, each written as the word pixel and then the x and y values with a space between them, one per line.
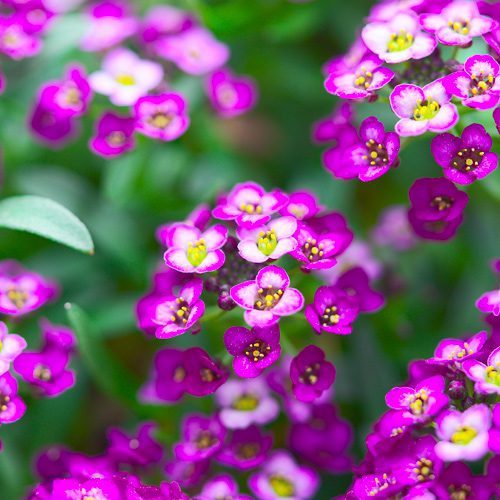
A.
pixel 478 85
pixel 489 302
pixel 140 450
pixel 333 311
pixel 486 376
pixel 426 400
pixel 496 117
pixel 113 135
pixel 268 297
pixel 246 402
pixel 311 374
pixel 162 116
pixel 71 489
pixel 379 485
pixel 246 449
pixel 361 81
pixel 202 437
pixel 457 480
pixel 356 283
pixel 391 427
pixel 194 51
pixel 494 433
pixel 193 251
pixel 467 158
pixel 125 77
pixel 463 436
pixel 281 477
pixel 222 486
pixel 15 42
pixel 423 109
pixel 231 95
pixel 398 39
pixel 393 229
pixel 22 291
pixel 269 241
pixel 457 23
pixel 176 315
pixel 249 205
pixel 11 346
pixel 334 126
pixel 204 374
pixel 12 407
pixel 455 351
pixel 46 370
pixel 302 205
pixel 187 474
pixel 253 350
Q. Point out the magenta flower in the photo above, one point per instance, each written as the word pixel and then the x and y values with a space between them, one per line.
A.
pixel 186 474
pixel 220 487
pixel 253 350
pixel 393 229
pixel 125 77
pixel 311 374
pixel 463 436
pixel 269 241
pixel 175 315
pixel 478 84
pixel 71 489
pixel 11 346
pixel 496 117
pixel 302 205
pixel 249 205
pixel 231 95
pixel 281 477
pixel 22 291
pixel 15 42
pixel 114 135
pixel 194 51
pixel 359 82
pixel 458 479
pixel 162 116
pixel 467 158
pixel 455 351
pixel 12 407
pixel 246 402
pixel 378 485
pixel 486 376
pixel 268 297
pixel 489 302
pixel 356 284
pixel 494 433
pixel 424 401
pixel 398 39
pixel 191 251
pixel 333 311
pixel 204 374
pixel 457 23
pixel 246 449
pixel 330 128
pixel 202 438
pixel 375 153
pixel 423 109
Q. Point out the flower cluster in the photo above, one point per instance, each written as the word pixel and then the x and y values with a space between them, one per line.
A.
pixel 139 85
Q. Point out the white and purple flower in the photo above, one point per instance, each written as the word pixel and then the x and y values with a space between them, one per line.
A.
pixel 11 345
pixel 486 376
pixel 489 302
pixel 456 351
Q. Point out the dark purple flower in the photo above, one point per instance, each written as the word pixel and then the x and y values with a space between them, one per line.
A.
pixel 311 374
pixel 333 311
pixel 494 433
pixel 187 474
pixel 114 135
pixel 202 437
pixel 57 336
pixel 253 350
pixel 52 462
pixel 467 158
pixel 356 283
pixel 334 126
pixel 204 374
pixel 496 117
pixel 379 485
pixel 12 407
pixel 246 448
pixel 387 431
pixel 457 481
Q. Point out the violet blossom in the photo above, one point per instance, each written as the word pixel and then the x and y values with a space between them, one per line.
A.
pixel 219 487
pixel 12 407
pixel 11 346
pixel 302 205
pixel 489 302
pixel 486 376
pixel 113 135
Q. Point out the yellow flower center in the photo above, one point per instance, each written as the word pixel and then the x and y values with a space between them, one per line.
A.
pixel 124 79
pixel 400 41
pixel 463 436
pixel 196 253
pixel 246 402
pixel 282 486
pixel 426 109
pixel 462 27
pixel 267 242
pixel 492 375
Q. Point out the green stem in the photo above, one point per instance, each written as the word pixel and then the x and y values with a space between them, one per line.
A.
pixel 211 314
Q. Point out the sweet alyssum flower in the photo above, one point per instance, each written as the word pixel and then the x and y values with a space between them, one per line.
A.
pixel 11 346
pixel 269 241
pixel 486 376
pixel 68 489
pixel 423 109
pixel 246 402
pixel 193 251
pixel 268 297
pixel 339 122
pixel 451 351
pixel 302 205
pixel 489 302
pixel 253 350
pixel 15 42
pixel 162 116
pixel 398 39
pixel 231 95
pixel 12 407
pixel 393 230
pixel 221 486
pixel 356 284
pixel 249 205
pixel 463 436
pixel 124 77
pixel 311 374
pixel 457 23
pixel 467 158
pixel 478 84
pixel 114 135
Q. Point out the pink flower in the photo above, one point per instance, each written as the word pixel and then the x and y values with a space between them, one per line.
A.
pixel 302 205
pixel 270 241
pixel 250 205
pixel 113 135
pixel 457 23
pixel 398 39
pixel 455 351
pixel 423 109
pixel 464 436
pixel 194 51
pixel 268 297
pixel 478 85
pixel 486 377
pixel 11 345
pixel 489 302
pixel 162 116
pixel 15 42
pixel 193 251
pixel 125 77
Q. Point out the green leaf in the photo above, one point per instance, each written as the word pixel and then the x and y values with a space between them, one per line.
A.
pixel 46 218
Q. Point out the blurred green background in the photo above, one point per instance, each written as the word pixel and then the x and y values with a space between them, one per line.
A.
pixel 283 46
